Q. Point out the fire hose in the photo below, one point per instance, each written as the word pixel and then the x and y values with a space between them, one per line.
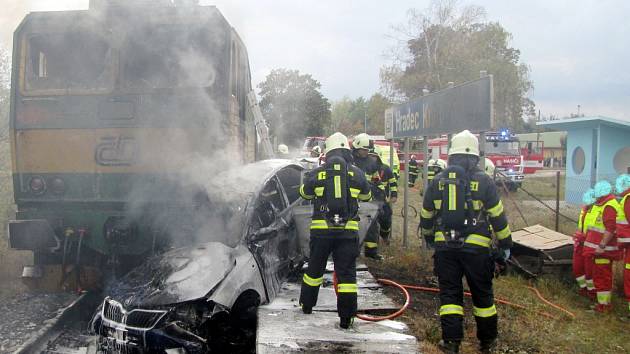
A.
pixel 405 287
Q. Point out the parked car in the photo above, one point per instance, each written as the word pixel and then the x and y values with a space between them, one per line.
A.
pixel 189 297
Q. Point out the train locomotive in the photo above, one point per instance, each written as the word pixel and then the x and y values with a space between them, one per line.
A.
pixel 110 109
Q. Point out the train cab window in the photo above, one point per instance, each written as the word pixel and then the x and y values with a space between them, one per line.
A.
pixel 170 56
pixel 72 60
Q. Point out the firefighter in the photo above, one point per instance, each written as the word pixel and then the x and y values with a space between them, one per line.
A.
pixel 413 170
pixel 622 186
pixel 283 149
pixel 458 210
pixel 435 167
pixel 489 168
pixel 384 191
pixel 335 189
pixel 361 146
pixel 600 246
pixel 579 271
pixel 316 151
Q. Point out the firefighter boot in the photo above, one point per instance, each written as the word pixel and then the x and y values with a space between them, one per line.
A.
pixel 449 346
pixel 487 346
pixel 603 308
pixel 346 322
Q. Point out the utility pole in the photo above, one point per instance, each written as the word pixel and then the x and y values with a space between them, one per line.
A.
pixel 365 121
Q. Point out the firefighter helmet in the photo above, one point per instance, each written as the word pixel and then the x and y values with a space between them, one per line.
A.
pixel 283 149
pixel 489 167
pixel 362 141
pixel 623 183
pixel 602 189
pixel 588 198
pixel 441 164
pixel 464 143
pixel 431 162
pixel 336 141
pixel 413 157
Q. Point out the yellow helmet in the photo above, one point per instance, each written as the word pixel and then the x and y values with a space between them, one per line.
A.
pixel 362 141
pixel 489 167
pixel 464 143
pixel 283 149
pixel 336 141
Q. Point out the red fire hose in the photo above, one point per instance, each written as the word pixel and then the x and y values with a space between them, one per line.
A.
pixel 404 287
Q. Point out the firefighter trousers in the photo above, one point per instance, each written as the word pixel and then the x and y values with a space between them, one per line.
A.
pixel 578 265
pixel 602 279
pixel 451 265
pixel 626 274
pixel 588 275
pixel 412 178
pixel 344 252
pixel 385 221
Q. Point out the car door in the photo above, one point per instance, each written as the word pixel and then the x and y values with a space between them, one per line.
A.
pixel 268 236
pixel 290 180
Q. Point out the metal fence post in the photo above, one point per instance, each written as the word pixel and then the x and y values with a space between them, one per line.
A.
pixel 557 200
pixel 405 194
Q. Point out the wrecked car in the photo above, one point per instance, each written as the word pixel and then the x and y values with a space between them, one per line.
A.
pixel 204 296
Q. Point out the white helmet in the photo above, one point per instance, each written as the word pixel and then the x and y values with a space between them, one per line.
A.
pixel 440 163
pixel 464 143
pixel 489 167
pixel 283 149
pixel 336 141
pixel 362 141
pixel 413 157
pixel 432 162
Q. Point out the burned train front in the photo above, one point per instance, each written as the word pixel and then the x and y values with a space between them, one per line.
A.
pixel 112 110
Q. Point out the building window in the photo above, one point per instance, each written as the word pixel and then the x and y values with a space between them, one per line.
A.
pixel 577 161
pixel 621 161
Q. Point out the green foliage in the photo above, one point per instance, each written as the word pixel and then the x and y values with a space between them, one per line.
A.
pixel 293 106
pixel 445 44
pixel 349 116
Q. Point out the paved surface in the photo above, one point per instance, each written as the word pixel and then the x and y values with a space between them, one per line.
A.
pixel 283 328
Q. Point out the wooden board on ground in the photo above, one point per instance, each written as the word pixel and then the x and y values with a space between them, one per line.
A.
pixel 541 238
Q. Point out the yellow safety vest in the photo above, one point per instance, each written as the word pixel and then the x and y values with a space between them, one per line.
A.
pixel 596 227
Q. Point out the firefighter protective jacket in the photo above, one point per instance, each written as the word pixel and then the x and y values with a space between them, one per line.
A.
pixel 486 204
pixel 313 188
pixel 385 184
pixel 623 214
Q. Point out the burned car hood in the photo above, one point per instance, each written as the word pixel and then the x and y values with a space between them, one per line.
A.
pixel 180 275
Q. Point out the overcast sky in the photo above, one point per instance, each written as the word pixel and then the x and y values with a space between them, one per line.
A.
pixel 578 51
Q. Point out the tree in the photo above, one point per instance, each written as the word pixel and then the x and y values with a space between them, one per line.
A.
pixel 293 106
pixel 350 116
pixel 448 43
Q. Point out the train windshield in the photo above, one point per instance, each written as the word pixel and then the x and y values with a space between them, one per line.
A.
pixel 78 60
pixel 171 56
pixel 503 147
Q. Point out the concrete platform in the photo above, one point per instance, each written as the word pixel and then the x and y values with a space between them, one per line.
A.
pixel 283 328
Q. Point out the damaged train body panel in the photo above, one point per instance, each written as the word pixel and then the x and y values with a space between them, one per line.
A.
pixel 188 297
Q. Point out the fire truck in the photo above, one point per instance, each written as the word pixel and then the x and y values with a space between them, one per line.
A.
pixel 504 150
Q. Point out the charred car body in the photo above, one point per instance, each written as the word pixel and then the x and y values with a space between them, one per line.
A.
pixel 255 233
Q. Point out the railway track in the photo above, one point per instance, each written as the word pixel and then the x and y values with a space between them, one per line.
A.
pixel 67 332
